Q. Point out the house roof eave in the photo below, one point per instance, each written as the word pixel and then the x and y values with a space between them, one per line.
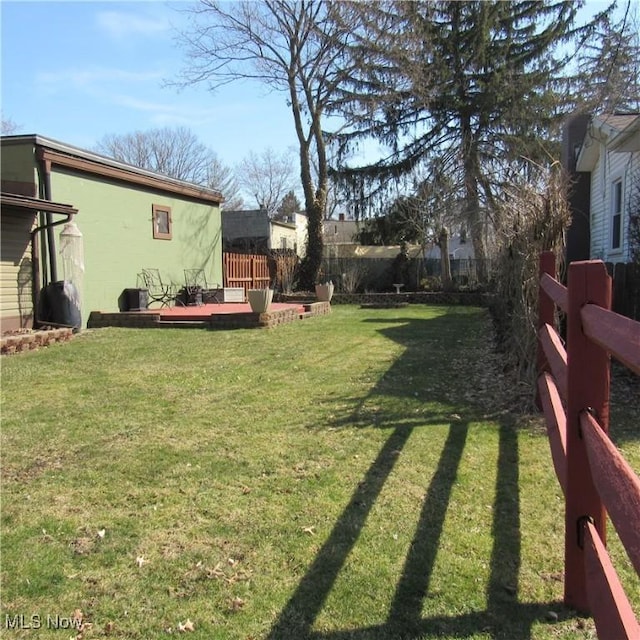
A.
pixel 28 203
pixel 62 154
pixel 628 139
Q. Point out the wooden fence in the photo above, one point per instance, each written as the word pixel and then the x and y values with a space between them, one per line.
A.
pixel 596 479
pixel 246 271
pixel 626 288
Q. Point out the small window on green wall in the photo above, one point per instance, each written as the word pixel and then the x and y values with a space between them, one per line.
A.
pixel 161 222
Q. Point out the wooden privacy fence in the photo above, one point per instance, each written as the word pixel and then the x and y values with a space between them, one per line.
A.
pixel 596 480
pixel 246 271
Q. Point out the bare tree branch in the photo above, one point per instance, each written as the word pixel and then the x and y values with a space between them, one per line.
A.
pixel 267 177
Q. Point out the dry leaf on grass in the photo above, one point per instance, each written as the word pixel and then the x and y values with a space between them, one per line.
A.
pixel 309 530
pixel 236 604
pixel 186 626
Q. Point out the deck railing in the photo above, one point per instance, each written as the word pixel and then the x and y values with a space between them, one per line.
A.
pixel 596 479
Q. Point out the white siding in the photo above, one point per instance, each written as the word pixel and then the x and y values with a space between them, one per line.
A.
pixel 301 233
pixel 598 240
pixel 283 237
pixel 610 167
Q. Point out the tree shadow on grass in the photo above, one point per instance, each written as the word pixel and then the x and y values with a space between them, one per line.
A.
pixel 504 616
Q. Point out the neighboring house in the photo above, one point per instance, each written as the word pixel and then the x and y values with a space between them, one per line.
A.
pixel 253 231
pixel 460 248
pixel 610 154
pixel 130 219
pixel 339 232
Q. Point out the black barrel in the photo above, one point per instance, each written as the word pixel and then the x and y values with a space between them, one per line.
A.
pixel 60 304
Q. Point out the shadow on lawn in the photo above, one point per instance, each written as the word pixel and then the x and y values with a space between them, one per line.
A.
pixel 504 616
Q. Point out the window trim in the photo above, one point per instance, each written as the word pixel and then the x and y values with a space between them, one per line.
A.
pixel 616 211
pixel 157 234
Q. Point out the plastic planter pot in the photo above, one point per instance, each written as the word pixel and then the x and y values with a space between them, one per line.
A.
pixel 324 292
pixel 260 299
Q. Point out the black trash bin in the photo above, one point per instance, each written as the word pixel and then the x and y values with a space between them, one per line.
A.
pixel 136 299
pixel 60 304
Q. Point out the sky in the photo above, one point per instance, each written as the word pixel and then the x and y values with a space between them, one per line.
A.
pixel 77 71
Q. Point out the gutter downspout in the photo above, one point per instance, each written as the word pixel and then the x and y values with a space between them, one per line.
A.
pixel 45 166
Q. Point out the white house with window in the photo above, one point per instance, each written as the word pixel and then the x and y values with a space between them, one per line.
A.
pixel 610 153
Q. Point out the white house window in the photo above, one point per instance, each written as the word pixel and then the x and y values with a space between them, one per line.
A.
pixel 162 222
pixel 616 215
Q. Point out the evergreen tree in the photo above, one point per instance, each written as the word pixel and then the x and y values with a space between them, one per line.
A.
pixel 475 83
pixel 608 79
pixel 288 206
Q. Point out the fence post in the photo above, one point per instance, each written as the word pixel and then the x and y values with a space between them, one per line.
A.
pixel 546 306
pixel 587 390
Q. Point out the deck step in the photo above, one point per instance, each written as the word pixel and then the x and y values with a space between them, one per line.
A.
pixel 183 324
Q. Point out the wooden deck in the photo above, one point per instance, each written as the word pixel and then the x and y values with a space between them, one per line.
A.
pixel 204 311
pixel 210 316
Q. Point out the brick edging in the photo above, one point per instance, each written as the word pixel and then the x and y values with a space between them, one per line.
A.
pixel 31 340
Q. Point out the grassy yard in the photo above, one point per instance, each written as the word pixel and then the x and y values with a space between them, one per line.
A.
pixel 346 477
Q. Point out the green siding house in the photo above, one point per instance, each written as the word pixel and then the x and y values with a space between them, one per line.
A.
pixel 130 219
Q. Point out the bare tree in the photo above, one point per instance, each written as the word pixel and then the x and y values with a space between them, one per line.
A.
pixel 290 46
pixel 221 178
pixel 267 177
pixel 174 152
pixel 9 126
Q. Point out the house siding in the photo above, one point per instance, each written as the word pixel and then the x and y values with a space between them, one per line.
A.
pixel 610 167
pixel 283 235
pixel 116 222
pixel 598 239
pixel 19 166
pixel 301 233
pixel 16 307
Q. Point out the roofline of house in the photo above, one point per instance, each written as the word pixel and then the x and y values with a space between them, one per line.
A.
pixel 624 137
pixel 66 155
pixel 29 203
pixel 602 130
pixel 288 225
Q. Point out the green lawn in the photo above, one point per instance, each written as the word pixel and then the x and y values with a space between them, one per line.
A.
pixel 348 477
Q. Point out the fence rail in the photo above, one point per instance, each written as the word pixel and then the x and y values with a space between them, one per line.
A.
pixel 246 271
pixel 596 479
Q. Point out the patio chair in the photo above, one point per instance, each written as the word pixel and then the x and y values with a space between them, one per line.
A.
pixel 195 282
pixel 197 290
pixel 159 290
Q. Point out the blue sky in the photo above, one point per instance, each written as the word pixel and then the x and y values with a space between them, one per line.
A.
pixel 75 71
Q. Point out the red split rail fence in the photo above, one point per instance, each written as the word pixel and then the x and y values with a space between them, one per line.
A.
pixel 596 479
pixel 246 271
